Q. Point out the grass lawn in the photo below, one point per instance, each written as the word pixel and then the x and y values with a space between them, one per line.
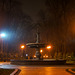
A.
pixel 73 69
pixel 6 71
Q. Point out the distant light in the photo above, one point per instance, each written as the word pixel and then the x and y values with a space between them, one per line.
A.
pixel 46 56
pixel 41 50
pixel 26 54
pixel 22 46
pixel 48 47
pixel 69 56
pixel 34 56
pixel 2 35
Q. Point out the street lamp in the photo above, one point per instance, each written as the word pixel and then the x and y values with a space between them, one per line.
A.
pixel 2 35
pixel 41 53
pixel 48 47
pixel 45 56
pixel 22 47
pixel 34 56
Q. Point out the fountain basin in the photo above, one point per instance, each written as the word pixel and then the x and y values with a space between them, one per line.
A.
pixel 38 62
pixel 36 45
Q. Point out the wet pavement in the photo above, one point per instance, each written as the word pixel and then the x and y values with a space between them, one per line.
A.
pixel 38 70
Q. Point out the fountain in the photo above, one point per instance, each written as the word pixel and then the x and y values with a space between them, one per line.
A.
pixel 38 61
pixel 37 47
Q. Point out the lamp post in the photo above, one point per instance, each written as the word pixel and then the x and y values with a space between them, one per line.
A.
pixel 22 47
pixel 2 35
pixel 49 47
pixel 41 53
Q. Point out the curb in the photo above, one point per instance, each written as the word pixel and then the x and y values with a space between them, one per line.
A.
pixel 16 72
pixel 70 71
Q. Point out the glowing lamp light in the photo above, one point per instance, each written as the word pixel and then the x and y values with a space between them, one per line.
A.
pixel 22 46
pixel 2 35
pixel 26 54
pixel 41 51
pixel 34 56
pixel 48 47
pixel 46 56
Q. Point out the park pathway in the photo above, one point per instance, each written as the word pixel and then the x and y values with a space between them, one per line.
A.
pixel 38 70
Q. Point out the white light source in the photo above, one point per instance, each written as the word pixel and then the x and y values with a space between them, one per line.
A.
pixel 2 35
pixel 26 54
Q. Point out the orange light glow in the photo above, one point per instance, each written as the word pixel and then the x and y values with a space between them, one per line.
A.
pixel 34 56
pixel 48 47
pixel 46 56
pixel 41 50
pixel 22 46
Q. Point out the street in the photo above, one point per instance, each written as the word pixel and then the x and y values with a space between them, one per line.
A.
pixel 38 70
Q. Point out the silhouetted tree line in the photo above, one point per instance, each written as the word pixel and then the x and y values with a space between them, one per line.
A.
pixel 58 26
pixel 15 23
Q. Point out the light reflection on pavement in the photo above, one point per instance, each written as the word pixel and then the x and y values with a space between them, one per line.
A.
pixel 37 70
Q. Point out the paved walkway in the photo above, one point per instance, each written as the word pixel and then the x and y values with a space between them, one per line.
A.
pixel 43 71
pixel 38 70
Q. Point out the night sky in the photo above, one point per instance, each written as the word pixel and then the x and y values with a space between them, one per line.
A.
pixel 32 7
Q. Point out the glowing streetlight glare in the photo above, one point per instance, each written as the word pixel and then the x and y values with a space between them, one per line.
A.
pixel 2 35
pixel 22 46
pixel 34 56
pixel 46 56
pixel 48 47
pixel 41 50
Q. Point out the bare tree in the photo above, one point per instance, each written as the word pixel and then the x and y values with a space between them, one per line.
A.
pixel 55 20
pixel 16 23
